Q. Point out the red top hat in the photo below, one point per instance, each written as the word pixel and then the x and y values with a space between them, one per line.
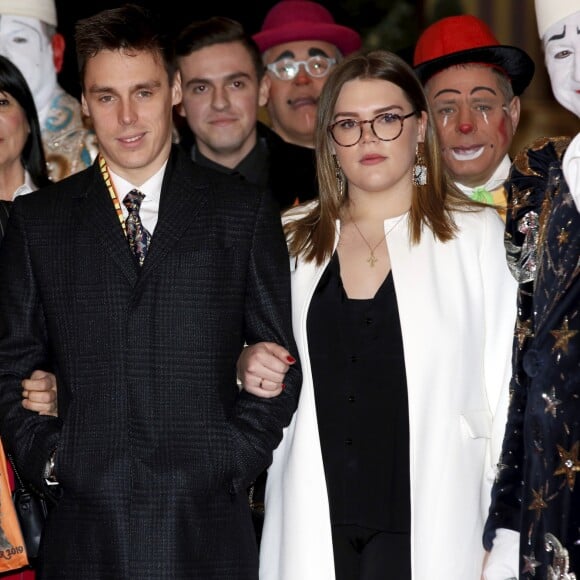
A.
pixel 291 20
pixel 467 39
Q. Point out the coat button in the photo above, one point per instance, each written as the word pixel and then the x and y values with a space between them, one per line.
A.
pixel 532 363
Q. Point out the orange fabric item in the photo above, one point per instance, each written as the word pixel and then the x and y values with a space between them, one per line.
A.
pixel 12 551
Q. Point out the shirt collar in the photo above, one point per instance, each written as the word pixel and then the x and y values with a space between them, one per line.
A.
pixel 26 187
pixel 151 188
pixel 496 180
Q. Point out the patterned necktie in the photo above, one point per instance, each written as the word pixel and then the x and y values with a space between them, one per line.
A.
pixel 139 238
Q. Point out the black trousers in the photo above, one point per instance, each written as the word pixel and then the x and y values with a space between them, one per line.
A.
pixel 367 554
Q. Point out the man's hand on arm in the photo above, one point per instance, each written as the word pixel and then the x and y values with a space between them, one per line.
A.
pixel 39 393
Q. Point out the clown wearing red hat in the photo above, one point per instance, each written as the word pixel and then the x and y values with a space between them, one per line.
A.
pixel 473 85
pixel 300 42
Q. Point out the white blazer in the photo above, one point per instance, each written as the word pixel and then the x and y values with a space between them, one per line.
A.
pixel 457 306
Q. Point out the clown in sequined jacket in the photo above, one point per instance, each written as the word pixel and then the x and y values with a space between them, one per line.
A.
pixel 537 491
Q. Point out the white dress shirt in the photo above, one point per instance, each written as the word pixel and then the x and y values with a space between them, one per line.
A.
pixel 151 189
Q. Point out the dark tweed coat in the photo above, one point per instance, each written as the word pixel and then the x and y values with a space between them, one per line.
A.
pixel 155 443
pixel 538 488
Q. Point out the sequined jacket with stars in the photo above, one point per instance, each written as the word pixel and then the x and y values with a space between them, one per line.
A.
pixel 537 491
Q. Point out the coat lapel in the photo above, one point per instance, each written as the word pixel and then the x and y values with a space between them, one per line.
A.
pixel 96 213
pixel 181 199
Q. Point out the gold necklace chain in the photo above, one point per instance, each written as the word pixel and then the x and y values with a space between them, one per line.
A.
pixel 372 259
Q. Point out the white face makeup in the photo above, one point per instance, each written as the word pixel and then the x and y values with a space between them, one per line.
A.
pixel 562 48
pixel 24 42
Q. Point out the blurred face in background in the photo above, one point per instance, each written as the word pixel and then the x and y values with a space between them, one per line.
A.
pixel 562 50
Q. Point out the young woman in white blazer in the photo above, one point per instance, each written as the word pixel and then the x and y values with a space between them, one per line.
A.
pixel 403 311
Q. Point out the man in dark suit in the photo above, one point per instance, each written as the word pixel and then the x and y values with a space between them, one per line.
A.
pixel 141 312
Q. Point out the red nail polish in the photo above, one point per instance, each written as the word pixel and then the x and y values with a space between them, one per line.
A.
pixel 290 359
pixel 283 386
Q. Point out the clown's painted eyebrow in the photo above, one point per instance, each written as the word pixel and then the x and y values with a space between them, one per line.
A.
pixel 458 92
pixel 558 36
pixel 563 35
pixel 312 51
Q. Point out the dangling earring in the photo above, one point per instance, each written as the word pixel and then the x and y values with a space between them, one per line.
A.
pixel 339 177
pixel 419 169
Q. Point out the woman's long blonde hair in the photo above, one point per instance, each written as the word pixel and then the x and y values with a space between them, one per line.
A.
pixel 312 236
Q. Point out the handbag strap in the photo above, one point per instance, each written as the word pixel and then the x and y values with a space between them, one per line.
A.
pixel 16 472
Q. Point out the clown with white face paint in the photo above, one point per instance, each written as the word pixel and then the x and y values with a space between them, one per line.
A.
pixel 561 41
pixel 473 85
pixel 537 492
pixel 28 38
pixel 24 41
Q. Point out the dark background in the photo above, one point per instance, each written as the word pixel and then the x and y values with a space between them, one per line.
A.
pixel 390 24
pixel 175 13
pixel 398 21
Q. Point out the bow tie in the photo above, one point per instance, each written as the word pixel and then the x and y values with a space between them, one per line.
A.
pixel 482 195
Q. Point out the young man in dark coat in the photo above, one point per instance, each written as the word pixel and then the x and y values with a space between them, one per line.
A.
pixel 138 281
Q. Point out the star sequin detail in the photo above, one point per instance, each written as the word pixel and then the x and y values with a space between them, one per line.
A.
pixel 519 200
pixel 530 564
pixel 563 337
pixel 569 464
pixel 538 503
pixel 562 237
pixel 523 331
pixel 551 402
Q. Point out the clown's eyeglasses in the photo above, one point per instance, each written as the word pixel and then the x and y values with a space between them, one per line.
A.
pixel 316 66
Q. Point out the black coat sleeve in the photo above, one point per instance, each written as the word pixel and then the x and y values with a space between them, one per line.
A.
pixel 258 423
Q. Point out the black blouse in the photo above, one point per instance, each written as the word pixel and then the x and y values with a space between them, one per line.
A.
pixel 360 389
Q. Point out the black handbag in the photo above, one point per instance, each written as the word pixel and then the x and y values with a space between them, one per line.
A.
pixel 31 509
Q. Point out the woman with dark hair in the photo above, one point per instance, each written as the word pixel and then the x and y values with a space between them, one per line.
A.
pixel 404 310
pixel 22 163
